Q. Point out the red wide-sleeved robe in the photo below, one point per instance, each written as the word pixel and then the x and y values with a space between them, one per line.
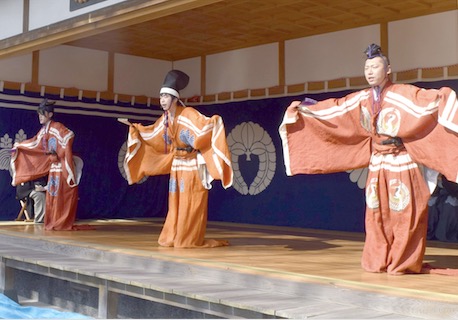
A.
pixel 50 153
pixel 191 171
pixel 349 133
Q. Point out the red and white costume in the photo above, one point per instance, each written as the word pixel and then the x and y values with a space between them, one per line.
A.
pixel 349 133
pixel 50 153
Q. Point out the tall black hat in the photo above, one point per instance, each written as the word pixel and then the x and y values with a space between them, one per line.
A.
pixel 45 106
pixel 174 81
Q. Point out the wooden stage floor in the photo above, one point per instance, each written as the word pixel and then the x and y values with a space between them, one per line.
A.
pixel 289 253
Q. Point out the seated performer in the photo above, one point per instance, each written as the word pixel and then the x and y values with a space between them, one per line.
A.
pixel 35 194
pixel 191 148
pixel 394 130
pixel 443 212
pixel 50 153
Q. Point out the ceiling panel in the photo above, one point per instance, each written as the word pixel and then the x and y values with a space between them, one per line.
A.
pixel 234 24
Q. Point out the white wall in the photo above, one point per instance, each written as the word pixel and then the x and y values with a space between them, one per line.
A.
pixel 143 76
pixel 255 67
pixel 192 67
pixel 423 42
pixel 46 12
pixel 17 69
pixel 10 18
pixel 67 66
pixel 328 56
pixel 139 76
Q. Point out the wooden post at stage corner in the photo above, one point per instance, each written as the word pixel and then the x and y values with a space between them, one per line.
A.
pixel 7 276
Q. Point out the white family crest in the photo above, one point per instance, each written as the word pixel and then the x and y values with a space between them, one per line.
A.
pixel 6 143
pixel 247 139
pixel 121 156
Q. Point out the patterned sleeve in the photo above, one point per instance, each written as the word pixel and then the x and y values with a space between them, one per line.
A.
pixel 210 139
pixel 327 137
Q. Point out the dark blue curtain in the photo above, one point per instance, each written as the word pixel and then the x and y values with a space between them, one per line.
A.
pixel 103 191
pixel 330 201
pixel 310 201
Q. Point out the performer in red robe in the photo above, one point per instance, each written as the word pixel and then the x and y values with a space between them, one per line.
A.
pixel 50 153
pixel 192 148
pixel 397 131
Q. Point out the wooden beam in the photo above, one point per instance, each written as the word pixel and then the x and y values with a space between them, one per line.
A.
pixel 25 15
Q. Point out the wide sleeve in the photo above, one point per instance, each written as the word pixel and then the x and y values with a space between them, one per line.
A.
pixel 34 158
pixel 210 141
pixel 29 160
pixel 432 135
pixel 146 154
pixel 326 137
pixel 65 153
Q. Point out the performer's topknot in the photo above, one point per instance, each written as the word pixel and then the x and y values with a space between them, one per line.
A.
pixel 46 106
pixel 373 51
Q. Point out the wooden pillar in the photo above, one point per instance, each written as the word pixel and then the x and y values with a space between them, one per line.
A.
pixel 35 67
pixel 7 281
pixel 281 63
pixel 108 302
pixel 203 76
pixel 25 16
pixel 111 67
pixel 384 38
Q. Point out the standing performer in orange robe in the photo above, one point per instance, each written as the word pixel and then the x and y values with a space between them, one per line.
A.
pixel 191 148
pixel 50 153
pixel 394 129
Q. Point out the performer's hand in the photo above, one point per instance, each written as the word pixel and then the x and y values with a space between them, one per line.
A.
pixel 291 111
pixel 125 121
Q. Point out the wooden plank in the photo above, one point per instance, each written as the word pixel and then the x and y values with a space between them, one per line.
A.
pixel 289 253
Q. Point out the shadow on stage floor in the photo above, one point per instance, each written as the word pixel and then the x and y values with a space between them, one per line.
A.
pixel 293 254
